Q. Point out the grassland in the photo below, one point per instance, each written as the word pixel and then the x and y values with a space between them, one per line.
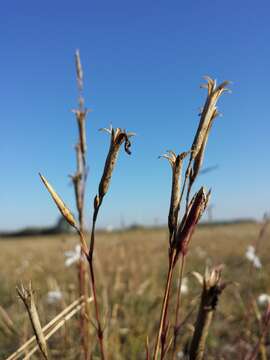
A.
pixel 131 270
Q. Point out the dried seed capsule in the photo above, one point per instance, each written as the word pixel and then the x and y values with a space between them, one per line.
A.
pixel 209 109
pixel 176 162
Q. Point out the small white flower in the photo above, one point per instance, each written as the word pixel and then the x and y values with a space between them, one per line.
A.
pixel 252 257
pixel 184 286
pixel 200 252
pixel 180 355
pixel 73 256
pixel 264 299
pixel 109 228
pixel 54 296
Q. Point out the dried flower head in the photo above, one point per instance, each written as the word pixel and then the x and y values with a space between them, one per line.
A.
pixel 212 288
pixel 198 159
pixel 118 137
pixel 209 111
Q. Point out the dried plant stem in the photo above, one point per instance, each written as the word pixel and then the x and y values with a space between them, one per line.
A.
pixel 203 322
pixel 27 297
pixel 147 352
pixel 260 346
pixel 118 137
pixel 51 325
pixel 92 241
pixel 79 183
pixel 165 302
pixel 212 288
pixel 178 303
pixel 93 284
pixel 7 321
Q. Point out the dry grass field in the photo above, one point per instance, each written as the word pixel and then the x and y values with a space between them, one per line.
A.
pixel 131 268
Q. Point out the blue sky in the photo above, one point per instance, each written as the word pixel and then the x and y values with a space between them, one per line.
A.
pixel 143 63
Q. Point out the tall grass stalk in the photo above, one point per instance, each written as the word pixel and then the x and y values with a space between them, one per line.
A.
pixel 79 184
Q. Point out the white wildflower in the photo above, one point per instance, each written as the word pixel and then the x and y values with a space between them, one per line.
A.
pixel 54 296
pixel 180 355
pixel 252 257
pixel 73 256
pixel 200 252
pixel 109 228
pixel 184 286
pixel 264 299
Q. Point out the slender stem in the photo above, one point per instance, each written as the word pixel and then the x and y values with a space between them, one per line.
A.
pixel 147 353
pixel 92 241
pixel 178 303
pixel 79 183
pixel 165 304
pixel 99 327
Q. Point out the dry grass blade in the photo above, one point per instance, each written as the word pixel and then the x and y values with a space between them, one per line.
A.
pixel 27 297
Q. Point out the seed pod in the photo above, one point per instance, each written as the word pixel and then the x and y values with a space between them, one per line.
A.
pixel 198 159
pixel 59 203
pixel 176 162
pixel 118 137
pixel 190 220
pixel 209 109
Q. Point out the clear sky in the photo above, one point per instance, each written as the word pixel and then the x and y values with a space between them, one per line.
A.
pixel 143 63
